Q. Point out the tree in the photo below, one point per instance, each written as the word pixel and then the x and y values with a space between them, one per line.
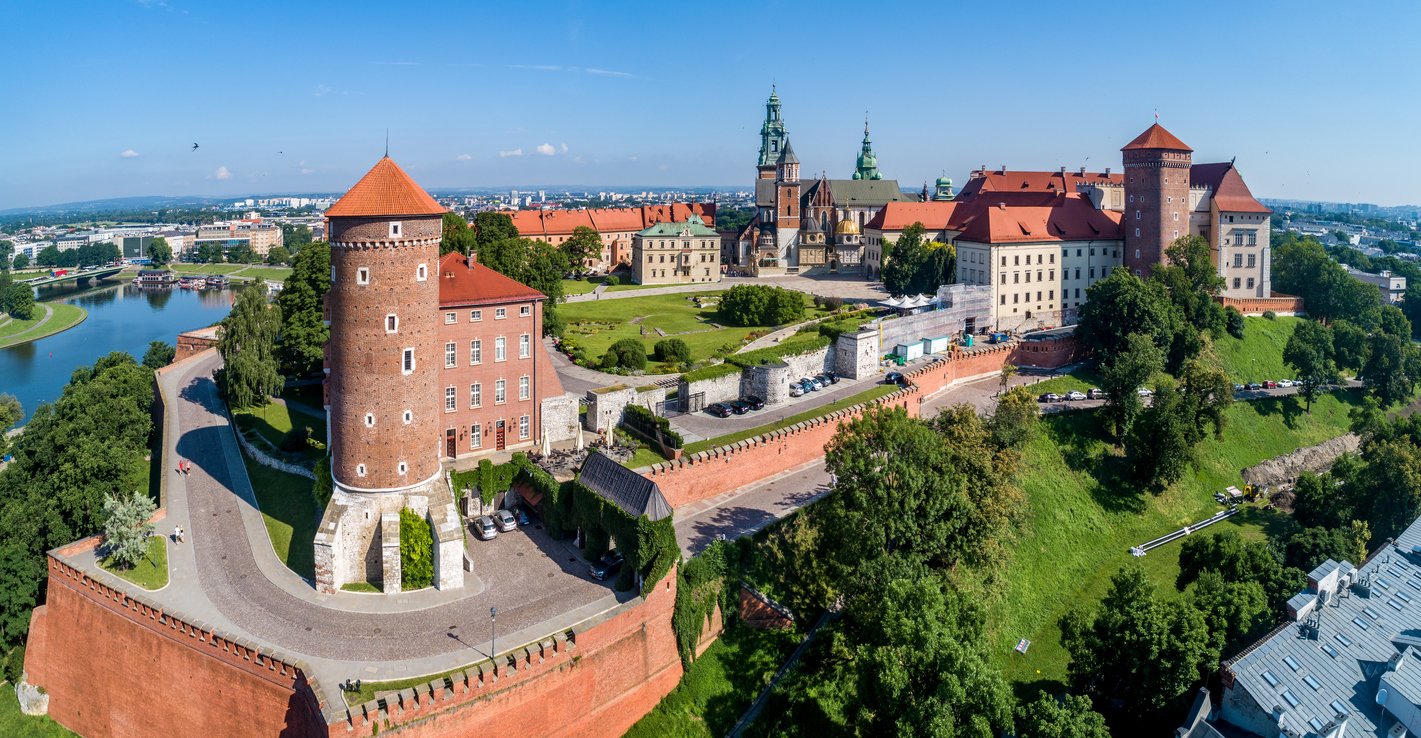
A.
pixel 1068 717
pixel 583 247
pixel 278 255
pixel 295 237
pixel 1135 647
pixel 1191 280
pixel 1236 613
pixel 21 573
pixel 159 354
pixel 242 253
pixel 1015 420
pixel 127 528
pixel 22 261
pixel 10 413
pixel 48 256
pixel 1310 547
pixel 7 251
pixel 1319 501
pixel 17 300
pixel 1391 368
pixel 924 667
pixel 1160 443
pixel 159 252
pixel 1233 322
pixel 673 351
pixel 1122 304
pixel 491 227
pixel 1237 560
pixel 1124 374
pixel 1008 371
pixel 208 252
pixel 760 305
pixel 1387 490
pixel 1411 306
pixel 627 353
pixel 1309 351
pixel 534 263
pixel 456 235
pixel 247 342
pixel 1350 345
pixel 303 329
pixel 918 266
pixel 1393 322
pixel 1207 388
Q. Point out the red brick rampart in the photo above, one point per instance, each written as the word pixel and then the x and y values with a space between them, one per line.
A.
pixel 1277 302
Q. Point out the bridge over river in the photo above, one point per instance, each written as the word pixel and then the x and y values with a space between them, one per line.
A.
pixel 83 276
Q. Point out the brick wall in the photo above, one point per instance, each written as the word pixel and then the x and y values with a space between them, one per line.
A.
pixel 1047 354
pixel 1279 303
pixel 194 342
pixel 757 611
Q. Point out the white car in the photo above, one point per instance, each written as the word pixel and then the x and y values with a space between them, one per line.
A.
pixel 1285 383
pixel 1075 395
pixel 485 528
pixel 505 520
pixel 1145 392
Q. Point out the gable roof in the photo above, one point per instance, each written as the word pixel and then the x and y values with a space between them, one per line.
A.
pixel 693 225
pixel 555 222
pixel 634 494
pixel 861 192
pixel 1156 137
pixel 1033 217
pixel 1229 191
pixel 895 216
pixel 385 190
pixel 460 285
pixel 1004 180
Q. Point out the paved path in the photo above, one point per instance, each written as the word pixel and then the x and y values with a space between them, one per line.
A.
pixel 580 379
pixel 847 286
pixel 28 334
pixel 227 573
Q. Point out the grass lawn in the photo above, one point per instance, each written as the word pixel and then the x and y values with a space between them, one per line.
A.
pixel 368 689
pixel 719 686
pixel 274 420
pixel 361 587
pixel 624 286
pixel 1259 355
pixel 266 272
pixel 289 510
pixel 62 316
pixel 644 456
pixel 1083 514
pixel 150 573
pixel 596 325
pixel 872 393
pixel 577 286
pixel 205 268
pixel 16 723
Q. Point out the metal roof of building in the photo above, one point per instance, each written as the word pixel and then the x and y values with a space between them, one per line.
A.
pixel 623 487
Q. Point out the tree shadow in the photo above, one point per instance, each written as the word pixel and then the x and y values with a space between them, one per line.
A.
pixel 1290 407
pixel 1277 525
pixel 1086 448
pixel 748 661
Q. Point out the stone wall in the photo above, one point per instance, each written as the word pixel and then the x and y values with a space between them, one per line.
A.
pixel 856 355
pixel 605 406
pixel 810 364
pixel 759 611
pixel 195 342
pixel 348 545
pixel 769 381
pixel 392 573
pixel 1047 354
pixel 560 420
pixel 265 459
pixel 719 389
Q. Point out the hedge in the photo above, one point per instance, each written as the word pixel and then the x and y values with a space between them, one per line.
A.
pixel 490 478
pixel 416 551
pixel 649 546
pixel 800 343
pixel 714 371
pixel 646 423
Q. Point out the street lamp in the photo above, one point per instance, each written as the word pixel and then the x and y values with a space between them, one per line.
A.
pixel 493 625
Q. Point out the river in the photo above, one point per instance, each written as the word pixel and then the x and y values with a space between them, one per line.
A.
pixel 121 318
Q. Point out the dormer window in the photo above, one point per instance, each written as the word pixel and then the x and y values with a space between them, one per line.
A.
pixel 394 230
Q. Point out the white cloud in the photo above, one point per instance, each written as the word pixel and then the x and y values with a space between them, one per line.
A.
pixel 128 154
pixel 537 67
pixel 463 157
pixel 633 157
pixel 564 148
pixel 222 173
pixel 608 72
pixel 546 149
pixel 512 152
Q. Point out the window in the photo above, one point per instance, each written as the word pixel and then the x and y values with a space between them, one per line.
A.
pixel 1288 695
pixel 403 468
pixel 1137 215
pixel 449 318
pixel 1016 260
pixel 476 436
pixel 1338 707
pixel 359 470
pixel 523 387
pixel 362 275
pixel 392 323
pixel 1268 677
pixel 1038 295
pixel 524 427
pixel 1292 663
pixel 1016 277
pixel 1137 234
pixel 369 420
pixel 408 361
pixel 1311 682
pixel 1238 260
pixel 1176 217
pixel 1236 282
pixel 450 403
pixel 451 355
pixel 525 310
pixel 476 395
pixel 500 313
pixel 1015 298
pixel 1053 258
pixel 1004 260
pixel 498 392
pixel 1092 272
pixel 1078 293
pixel 476 352
pixel 475 316
pixel 409 417
pixel 1051 275
pixel 525 346
pixel 421 273
pixel 1250 282
pixel 394 230
pixel 1252 260
pixel 1004 299
pixel 499 349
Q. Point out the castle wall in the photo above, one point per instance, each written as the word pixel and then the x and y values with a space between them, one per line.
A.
pixel 1277 302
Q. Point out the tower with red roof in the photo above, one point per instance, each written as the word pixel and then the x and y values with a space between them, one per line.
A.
pixel 1156 196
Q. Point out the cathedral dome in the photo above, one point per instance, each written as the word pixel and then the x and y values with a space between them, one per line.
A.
pixel 846 227
pixel 944 181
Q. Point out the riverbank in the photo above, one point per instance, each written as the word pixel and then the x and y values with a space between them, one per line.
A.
pixel 233 271
pixel 52 318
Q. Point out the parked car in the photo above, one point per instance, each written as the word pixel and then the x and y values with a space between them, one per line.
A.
pixel 796 389
pixel 1075 395
pixel 504 520
pixel 756 403
pixel 1145 392
pixel 522 515
pixel 893 378
pixel 1049 397
pixel 1285 383
pixel 1096 394
pixel 814 384
pixel 1255 386
pixel 1270 384
pixel 610 563
pixel 484 527
pixel 1238 388
pixel 824 379
pixel 719 409
pixel 833 378
pixel 739 407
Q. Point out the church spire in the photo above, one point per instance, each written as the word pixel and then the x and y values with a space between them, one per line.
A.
pixel 772 135
pixel 867 165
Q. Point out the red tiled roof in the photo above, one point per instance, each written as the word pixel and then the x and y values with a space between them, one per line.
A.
pixel 895 216
pixel 1022 218
pixel 385 190
pixel 1003 180
pixel 1230 192
pixel 460 285
pixel 1156 137
pixel 545 223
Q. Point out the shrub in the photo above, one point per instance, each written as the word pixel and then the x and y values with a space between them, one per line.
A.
pixel 416 551
pixel 628 353
pixel 126 527
pixel 714 371
pixel 297 439
pixel 1269 314
pixel 15 664
pixel 324 485
pixel 612 281
pixel 1234 321
pixel 673 351
pixel 647 423
pixel 758 304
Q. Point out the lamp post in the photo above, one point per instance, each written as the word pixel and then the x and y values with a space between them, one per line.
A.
pixel 493 625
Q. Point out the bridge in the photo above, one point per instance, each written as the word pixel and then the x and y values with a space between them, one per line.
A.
pixel 82 276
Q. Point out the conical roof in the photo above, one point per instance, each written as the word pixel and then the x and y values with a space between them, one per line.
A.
pixel 1156 137
pixel 787 156
pixel 385 190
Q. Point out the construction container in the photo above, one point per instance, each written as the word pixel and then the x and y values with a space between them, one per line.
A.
pixel 936 345
pixel 909 351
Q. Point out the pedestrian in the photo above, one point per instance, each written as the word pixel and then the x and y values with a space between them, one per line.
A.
pixel 178 533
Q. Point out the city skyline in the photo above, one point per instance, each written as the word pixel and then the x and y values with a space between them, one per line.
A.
pixel 287 100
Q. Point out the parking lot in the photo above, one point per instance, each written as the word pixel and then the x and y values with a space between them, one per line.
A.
pixel 699 426
pixel 527 565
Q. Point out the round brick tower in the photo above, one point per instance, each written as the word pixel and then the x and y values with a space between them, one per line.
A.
pixel 1156 196
pixel 383 358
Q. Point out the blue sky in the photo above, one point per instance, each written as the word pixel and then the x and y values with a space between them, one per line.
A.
pixel 105 98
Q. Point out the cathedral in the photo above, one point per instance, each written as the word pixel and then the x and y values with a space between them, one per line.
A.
pixel 800 225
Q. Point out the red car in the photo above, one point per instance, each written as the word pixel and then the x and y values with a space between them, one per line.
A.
pixel 1270 384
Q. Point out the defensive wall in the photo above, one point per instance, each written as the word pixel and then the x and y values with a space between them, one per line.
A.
pixel 1277 302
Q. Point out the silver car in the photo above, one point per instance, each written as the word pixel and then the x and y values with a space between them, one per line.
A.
pixel 505 520
pixel 484 527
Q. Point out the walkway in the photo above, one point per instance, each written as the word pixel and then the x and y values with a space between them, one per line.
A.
pixel 579 379
pixel 228 575
pixel 43 328
pixel 848 287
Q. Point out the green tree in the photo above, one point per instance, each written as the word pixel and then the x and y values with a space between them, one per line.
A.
pixel 672 351
pixel 627 353
pixel 247 342
pixel 1122 304
pixel 278 255
pixel 159 354
pixel 48 256
pixel 1124 374
pixel 918 266
pixel 1310 353
pixel 1391 368
pixel 1310 547
pixel 10 413
pixel 1237 560
pixel 1069 717
pixel 492 227
pixel 1160 443
pixel 7 252
pixel 295 237
pixel 1318 500
pixel 457 235
pixel 1411 306
pixel 1350 345
pixel 127 528
pixel 303 329
pixel 1191 280
pixel 208 252
pixel 760 305
pixel 242 253
pixel 159 252
pixel 583 247
pixel 416 551
pixel 1387 489
pixel 21 573
pixel 1233 322
pixel 1136 647
pixel 1015 419
pixel 22 261
pixel 1236 613
pixel 1207 388
pixel 18 301
pixel 1393 322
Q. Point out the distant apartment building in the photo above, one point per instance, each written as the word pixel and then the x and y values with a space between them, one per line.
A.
pixel 261 236
pixel 615 226
pixel 1392 286
pixel 676 253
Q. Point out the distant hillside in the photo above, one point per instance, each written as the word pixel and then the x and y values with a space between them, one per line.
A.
pixel 146 202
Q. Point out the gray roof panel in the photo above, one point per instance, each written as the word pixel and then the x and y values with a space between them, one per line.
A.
pixel 633 493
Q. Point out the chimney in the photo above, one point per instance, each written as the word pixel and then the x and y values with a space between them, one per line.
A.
pixel 1004 169
pixel 1063 171
pixel 1107 171
pixel 1082 171
pixel 473 258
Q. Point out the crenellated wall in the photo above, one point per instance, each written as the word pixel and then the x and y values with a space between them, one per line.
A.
pixel 1277 302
